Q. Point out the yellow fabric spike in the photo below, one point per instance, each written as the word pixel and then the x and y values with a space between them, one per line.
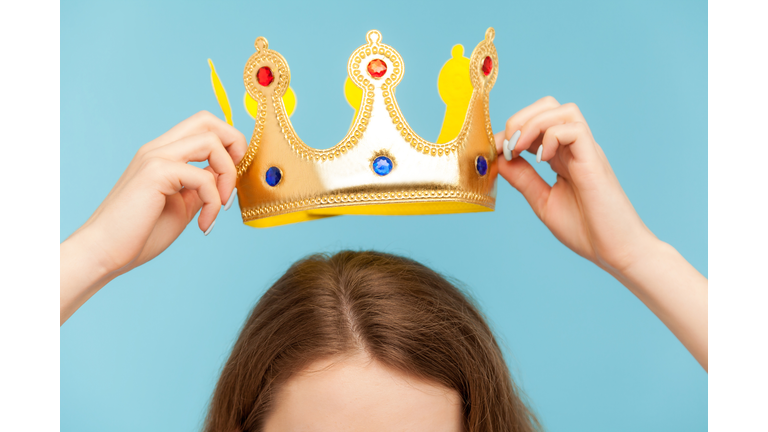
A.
pixel 354 96
pixel 455 88
pixel 221 94
pixel 289 100
pixel 252 106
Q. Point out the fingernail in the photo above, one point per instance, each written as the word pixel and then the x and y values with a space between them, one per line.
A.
pixel 539 152
pixel 507 152
pixel 210 228
pixel 513 144
pixel 230 200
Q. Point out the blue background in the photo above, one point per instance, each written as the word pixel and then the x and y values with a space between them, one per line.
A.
pixel 145 352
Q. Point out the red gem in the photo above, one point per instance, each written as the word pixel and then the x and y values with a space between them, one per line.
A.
pixel 265 77
pixel 487 66
pixel 377 68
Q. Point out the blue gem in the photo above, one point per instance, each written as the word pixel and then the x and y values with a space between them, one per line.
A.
pixel 382 165
pixel 273 176
pixel 481 164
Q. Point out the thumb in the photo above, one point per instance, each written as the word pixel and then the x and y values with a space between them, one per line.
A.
pixel 523 177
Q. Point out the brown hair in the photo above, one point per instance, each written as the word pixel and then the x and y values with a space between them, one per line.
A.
pixel 398 311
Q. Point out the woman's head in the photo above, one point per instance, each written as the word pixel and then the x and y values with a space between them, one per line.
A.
pixel 396 329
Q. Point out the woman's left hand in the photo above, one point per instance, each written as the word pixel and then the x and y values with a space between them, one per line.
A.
pixel 588 211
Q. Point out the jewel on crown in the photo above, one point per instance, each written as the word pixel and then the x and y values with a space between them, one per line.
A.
pixel 381 167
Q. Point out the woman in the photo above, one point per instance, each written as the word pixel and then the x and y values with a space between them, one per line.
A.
pixel 371 340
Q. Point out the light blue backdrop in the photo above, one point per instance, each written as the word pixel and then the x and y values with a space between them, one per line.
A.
pixel 145 352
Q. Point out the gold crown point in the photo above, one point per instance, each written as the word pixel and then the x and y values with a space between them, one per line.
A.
pixel 490 34
pixel 373 37
pixel 261 44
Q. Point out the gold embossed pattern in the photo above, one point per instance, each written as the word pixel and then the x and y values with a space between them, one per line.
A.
pixel 364 197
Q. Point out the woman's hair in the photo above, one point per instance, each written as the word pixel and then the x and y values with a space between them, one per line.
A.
pixel 397 311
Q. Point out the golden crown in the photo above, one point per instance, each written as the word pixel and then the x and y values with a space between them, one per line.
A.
pixel 381 167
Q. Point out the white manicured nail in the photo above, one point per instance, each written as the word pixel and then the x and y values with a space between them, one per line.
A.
pixel 230 200
pixel 506 150
pixel 513 144
pixel 210 228
pixel 539 152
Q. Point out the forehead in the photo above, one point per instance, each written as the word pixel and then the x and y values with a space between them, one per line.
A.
pixel 359 394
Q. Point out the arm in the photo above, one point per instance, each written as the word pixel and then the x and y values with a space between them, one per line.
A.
pixel 588 211
pixel 151 204
pixel 675 292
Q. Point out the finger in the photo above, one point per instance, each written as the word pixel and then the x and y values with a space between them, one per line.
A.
pixel 170 177
pixel 192 202
pixel 197 148
pixel 538 124
pixel 191 199
pixel 210 170
pixel 499 137
pixel 515 122
pixel 232 195
pixel 234 141
pixel 558 165
pixel 576 135
pixel 521 175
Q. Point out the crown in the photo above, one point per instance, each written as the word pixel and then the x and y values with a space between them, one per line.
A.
pixel 381 167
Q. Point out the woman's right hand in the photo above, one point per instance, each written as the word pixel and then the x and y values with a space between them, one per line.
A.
pixel 151 204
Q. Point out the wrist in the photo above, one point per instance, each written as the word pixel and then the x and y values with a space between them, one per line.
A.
pixel 651 257
pixel 622 256
pixel 83 251
pixel 82 272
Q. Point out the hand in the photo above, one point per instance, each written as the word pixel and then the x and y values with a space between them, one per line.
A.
pixel 586 209
pixel 151 204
